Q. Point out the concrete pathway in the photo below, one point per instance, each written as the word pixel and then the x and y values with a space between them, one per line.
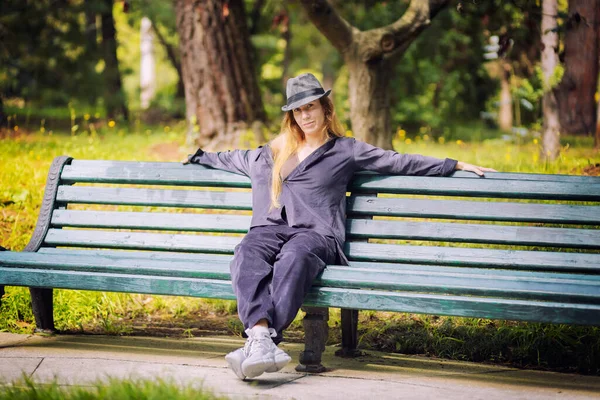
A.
pixel 83 360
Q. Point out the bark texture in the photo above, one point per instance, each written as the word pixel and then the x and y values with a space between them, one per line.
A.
pixel 575 94
pixel 551 126
pixel 371 56
pixel 114 97
pixel 221 90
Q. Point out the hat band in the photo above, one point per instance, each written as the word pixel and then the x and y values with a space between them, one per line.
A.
pixel 305 94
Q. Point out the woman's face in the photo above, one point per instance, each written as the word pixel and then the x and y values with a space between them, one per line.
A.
pixel 310 117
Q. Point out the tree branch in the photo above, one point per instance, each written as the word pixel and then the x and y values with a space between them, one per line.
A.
pixel 389 41
pixel 327 20
pixel 375 44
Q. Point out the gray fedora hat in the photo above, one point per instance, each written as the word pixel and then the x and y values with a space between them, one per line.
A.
pixel 302 90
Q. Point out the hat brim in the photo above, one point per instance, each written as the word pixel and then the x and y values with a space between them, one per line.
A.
pixel 300 103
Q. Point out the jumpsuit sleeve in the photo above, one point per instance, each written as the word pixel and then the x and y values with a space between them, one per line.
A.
pixel 371 158
pixel 236 161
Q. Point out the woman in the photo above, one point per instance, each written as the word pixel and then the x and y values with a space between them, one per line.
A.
pixel 299 185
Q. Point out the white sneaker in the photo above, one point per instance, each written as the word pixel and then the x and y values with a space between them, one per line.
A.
pixel 259 352
pixel 281 360
pixel 235 359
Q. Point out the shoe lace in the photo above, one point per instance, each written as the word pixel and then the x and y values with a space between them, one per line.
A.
pixel 259 342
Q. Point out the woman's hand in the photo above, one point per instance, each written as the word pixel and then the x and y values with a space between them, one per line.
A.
pixel 462 166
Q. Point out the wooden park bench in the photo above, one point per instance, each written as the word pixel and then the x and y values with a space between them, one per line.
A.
pixel 509 246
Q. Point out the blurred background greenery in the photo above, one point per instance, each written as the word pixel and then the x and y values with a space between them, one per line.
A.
pixel 55 61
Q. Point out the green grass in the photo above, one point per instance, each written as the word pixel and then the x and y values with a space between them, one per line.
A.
pixel 156 389
pixel 564 348
pixel 27 157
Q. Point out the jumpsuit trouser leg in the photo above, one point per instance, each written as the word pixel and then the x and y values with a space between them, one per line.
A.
pixel 272 270
pixel 301 259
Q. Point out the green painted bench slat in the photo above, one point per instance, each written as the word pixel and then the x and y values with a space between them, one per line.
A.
pixel 500 284
pixel 363 265
pixel 162 285
pixel 154 197
pixel 474 210
pixel 469 233
pixel 382 184
pixel 355 250
pixel 476 188
pixel 141 241
pixel 459 174
pixel 518 310
pixel 146 255
pixel 524 310
pixel 190 176
pixel 152 221
pixel 475 233
pixel 474 257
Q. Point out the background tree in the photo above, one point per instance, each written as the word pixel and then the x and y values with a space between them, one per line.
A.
pixel 114 97
pixel 551 125
pixel 221 90
pixel 43 47
pixel 576 91
pixel 370 57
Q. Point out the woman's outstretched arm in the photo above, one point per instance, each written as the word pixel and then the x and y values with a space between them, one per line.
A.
pixel 236 161
pixel 371 158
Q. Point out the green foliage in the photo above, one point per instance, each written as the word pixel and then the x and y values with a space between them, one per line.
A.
pixel 441 78
pixel 44 48
pixel 136 389
pixel 567 348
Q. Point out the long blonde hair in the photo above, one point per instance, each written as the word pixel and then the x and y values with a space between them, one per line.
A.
pixel 292 137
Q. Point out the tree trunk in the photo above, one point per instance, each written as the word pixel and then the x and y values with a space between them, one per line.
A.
pixel 575 94
pixel 221 90
pixel 505 110
pixel 551 126
pixel 368 90
pixel 371 57
pixel 114 97
pixel 147 64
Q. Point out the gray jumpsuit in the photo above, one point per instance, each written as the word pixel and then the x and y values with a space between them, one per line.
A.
pixel 286 248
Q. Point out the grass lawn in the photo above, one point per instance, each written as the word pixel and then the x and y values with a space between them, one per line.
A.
pixel 27 389
pixel 26 158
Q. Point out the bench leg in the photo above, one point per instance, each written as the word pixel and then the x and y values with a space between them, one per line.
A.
pixel 349 334
pixel 316 331
pixel 41 302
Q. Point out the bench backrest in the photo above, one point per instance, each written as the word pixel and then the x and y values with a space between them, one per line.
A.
pixel 428 220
